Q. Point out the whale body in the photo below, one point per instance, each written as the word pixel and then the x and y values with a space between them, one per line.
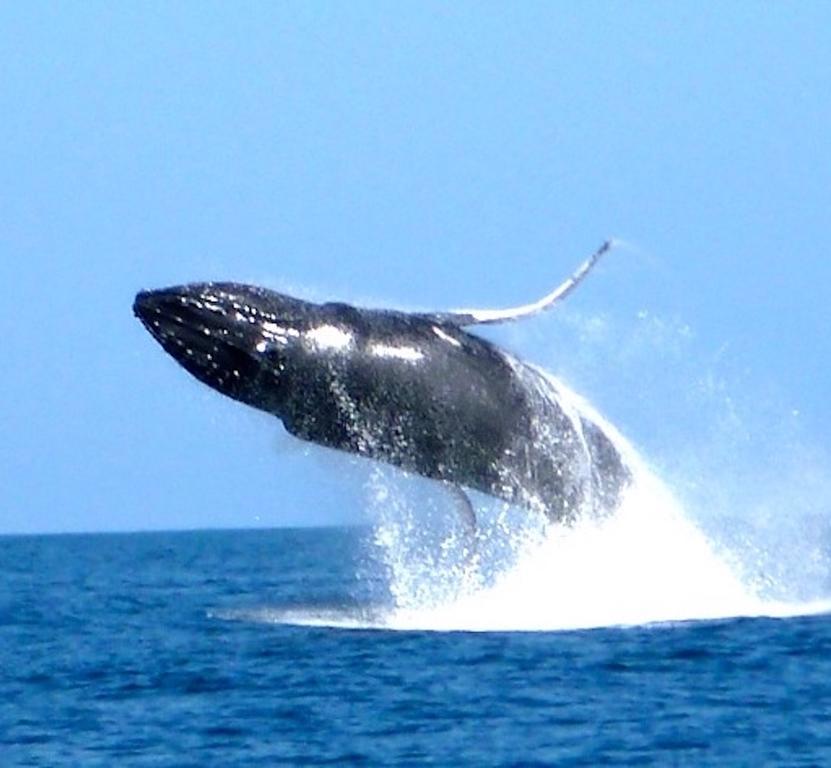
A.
pixel 415 390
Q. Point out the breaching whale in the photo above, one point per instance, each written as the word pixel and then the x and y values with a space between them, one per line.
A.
pixel 414 389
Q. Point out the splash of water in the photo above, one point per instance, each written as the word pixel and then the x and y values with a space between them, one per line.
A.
pixel 646 563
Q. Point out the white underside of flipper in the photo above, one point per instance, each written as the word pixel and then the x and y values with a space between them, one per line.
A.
pixel 464 317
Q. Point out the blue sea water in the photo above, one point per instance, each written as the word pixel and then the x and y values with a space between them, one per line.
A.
pixel 260 648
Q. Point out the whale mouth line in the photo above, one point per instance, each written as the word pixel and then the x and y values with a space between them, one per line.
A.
pixel 199 339
pixel 178 331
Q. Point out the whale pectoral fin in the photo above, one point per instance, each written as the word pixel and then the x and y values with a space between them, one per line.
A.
pixel 464 317
pixel 466 510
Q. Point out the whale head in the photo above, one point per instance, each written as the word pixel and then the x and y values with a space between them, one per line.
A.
pixel 237 339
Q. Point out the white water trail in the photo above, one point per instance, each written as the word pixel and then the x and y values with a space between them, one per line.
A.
pixel 645 563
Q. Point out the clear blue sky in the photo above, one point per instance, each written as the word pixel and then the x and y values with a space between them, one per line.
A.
pixel 413 155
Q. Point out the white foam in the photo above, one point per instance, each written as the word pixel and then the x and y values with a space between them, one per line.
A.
pixel 646 563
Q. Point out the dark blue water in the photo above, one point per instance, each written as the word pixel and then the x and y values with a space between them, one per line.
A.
pixel 170 649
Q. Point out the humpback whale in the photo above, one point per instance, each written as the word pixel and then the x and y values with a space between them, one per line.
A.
pixel 416 390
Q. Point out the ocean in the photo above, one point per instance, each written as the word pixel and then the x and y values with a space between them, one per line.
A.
pixel 314 647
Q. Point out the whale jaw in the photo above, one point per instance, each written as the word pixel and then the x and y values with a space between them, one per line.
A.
pixel 215 332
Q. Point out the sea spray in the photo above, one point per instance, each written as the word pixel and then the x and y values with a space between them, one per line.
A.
pixel 748 466
pixel 645 562
pixel 744 530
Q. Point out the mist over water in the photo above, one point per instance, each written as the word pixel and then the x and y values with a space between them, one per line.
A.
pixel 731 519
pixel 647 562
